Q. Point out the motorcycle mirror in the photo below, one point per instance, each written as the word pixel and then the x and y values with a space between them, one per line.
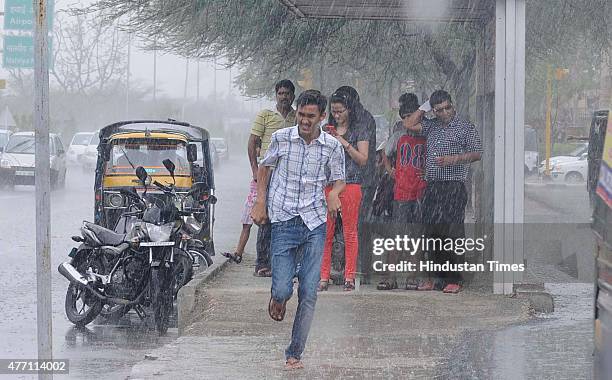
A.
pixel 169 166
pixel 142 175
pixel 192 152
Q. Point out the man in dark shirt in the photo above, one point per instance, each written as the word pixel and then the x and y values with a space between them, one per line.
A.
pixel 452 144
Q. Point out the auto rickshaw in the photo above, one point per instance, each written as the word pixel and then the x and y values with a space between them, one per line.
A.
pixel 126 145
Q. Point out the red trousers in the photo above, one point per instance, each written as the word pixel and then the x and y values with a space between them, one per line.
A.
pixel 350 200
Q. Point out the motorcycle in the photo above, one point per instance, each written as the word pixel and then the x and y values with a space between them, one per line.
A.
pixel 133 270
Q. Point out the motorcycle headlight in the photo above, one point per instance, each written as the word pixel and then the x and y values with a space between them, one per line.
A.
pixel 115 200
pixel 4 163
pixel 159 233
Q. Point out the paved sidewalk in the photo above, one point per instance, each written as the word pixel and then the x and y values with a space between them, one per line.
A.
pixel 365 334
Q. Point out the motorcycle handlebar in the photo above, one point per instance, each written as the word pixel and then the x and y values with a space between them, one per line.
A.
pixel 163 187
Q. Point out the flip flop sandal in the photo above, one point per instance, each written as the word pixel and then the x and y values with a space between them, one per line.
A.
pixel 452 288
pixel 425 285
pixel 263 272
pixel 387 285
pixel 233 257
pixel 439 284
pixel 274 316
pixel 323 285
pixel 411 284
pixel 349 286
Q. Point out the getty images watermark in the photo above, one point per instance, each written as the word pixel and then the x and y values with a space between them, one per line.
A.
pixel 404 244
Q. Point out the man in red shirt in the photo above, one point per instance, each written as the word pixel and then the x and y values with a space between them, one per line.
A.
pixel 404 160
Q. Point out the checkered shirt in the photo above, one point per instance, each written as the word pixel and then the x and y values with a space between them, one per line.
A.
pixel 300 173
pixel 459 137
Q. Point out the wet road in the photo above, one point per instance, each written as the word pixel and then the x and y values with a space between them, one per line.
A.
pixel 104 351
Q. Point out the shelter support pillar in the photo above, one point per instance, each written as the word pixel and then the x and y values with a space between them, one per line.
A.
pixel 509 141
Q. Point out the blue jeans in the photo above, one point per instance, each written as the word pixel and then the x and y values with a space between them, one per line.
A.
pixel 287 238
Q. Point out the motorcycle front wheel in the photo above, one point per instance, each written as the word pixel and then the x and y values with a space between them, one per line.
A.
pixel 161 299
pixel 81 305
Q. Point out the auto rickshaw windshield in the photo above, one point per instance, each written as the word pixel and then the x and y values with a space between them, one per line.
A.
pixel 128 154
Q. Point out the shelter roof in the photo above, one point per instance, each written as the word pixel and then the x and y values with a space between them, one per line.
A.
pixel 408 10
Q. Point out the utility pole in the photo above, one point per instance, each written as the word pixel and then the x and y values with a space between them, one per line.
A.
pixel 155 72
pixel 185 89
pixel 560 74
pixel 198 81
pixel 127 85
pixel 43 185
pixel 548 117
pixel 215 80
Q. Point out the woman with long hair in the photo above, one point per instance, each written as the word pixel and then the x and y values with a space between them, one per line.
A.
pixel 344 114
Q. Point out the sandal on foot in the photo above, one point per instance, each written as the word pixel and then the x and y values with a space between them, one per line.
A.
pixel 425 285
pixel 349 285
pixel 323 285
pixel 452 288
pixel 411 284
pixel 439 284
pixel 274 312
pixel 387 285
pixel 293 363
pixel 235 257
pixel 263 272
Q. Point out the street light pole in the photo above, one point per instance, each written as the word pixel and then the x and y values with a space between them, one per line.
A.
pixel 548 117
pixel 43 185
pixel 127 82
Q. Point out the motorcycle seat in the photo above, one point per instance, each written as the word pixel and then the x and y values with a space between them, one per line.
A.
pixel 106 236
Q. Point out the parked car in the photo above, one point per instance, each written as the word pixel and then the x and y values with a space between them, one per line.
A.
pixel 89 156
pixel 4 137
pixel 575 171
pixel 77 146
pixel 575 155
pixel 17 163
pixel 221 147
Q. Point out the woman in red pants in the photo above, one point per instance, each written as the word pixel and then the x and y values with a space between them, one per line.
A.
pixel 345 118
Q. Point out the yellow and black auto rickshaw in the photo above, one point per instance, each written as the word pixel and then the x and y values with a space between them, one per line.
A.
pixel 126 145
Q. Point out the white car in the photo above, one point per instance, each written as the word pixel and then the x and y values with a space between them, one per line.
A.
pixel 89 157
pixel 575 155
pixel 17 160
pixel 575 171
pixel 221 147
pixel 77 146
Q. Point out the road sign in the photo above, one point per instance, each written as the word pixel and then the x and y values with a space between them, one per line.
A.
pixel 19 52
pixel 19 15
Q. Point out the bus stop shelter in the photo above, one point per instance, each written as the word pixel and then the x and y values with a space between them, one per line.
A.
pixel 500 94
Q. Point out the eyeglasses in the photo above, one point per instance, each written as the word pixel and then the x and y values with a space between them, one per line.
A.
pixel 338 112
pixel 442 109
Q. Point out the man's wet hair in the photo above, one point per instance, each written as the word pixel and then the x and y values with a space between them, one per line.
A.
pixel 408 103
pixel 439 97
pixel 286 83
pixel 310 97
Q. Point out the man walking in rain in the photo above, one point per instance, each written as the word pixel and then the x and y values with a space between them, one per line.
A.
pixel 300 162
pixel 266 123
pixel 452 144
